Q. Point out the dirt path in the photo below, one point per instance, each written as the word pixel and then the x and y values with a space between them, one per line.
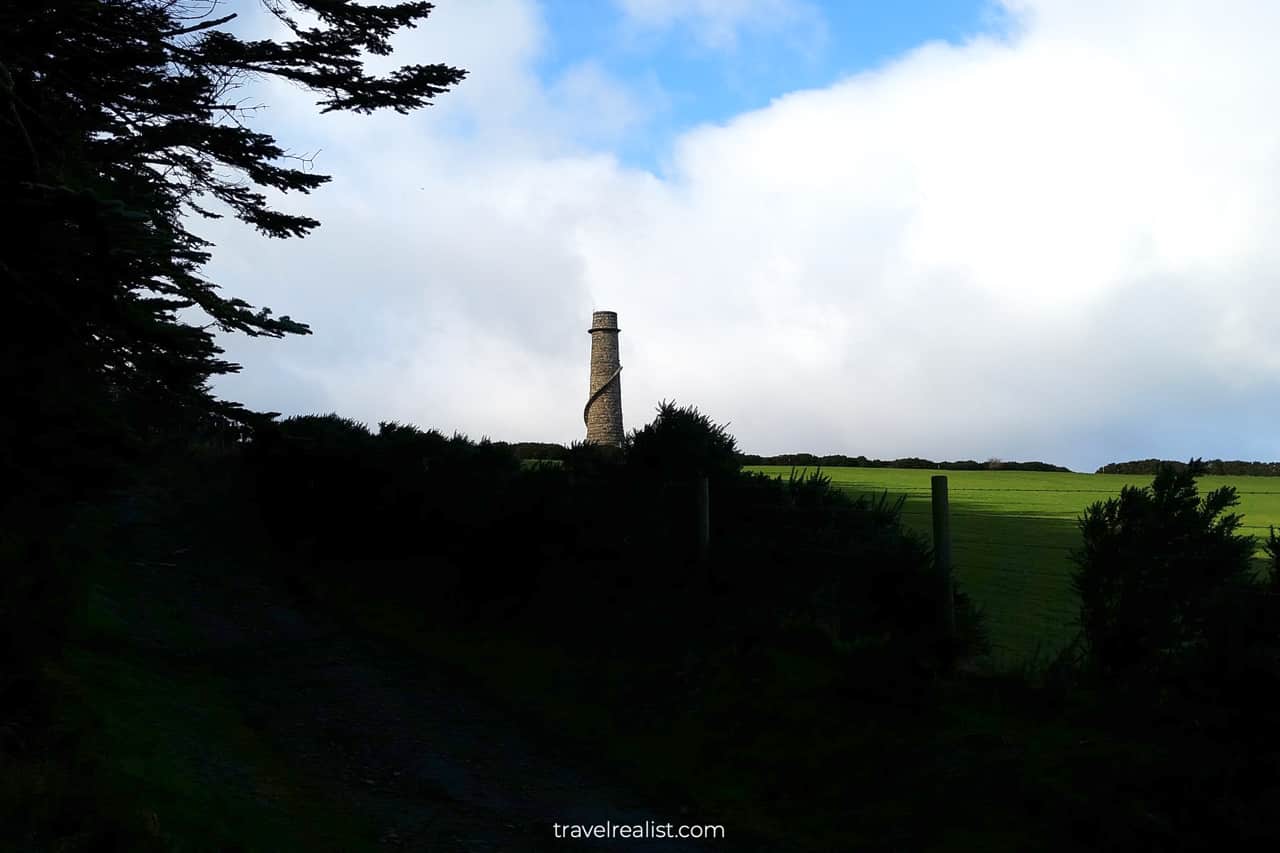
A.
pixel 395 740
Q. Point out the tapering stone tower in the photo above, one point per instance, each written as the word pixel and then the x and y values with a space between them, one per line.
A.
pixel 603 412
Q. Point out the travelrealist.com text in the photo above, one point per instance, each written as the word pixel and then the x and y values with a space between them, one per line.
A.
pixel 648 829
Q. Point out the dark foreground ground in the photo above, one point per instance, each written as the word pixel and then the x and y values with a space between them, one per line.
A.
pixel 219 699
pixel 234 709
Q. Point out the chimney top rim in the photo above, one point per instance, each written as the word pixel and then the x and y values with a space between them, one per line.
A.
pixel 604 321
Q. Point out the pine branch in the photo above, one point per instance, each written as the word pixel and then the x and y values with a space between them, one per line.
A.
pixel 217 22
pixel 128 105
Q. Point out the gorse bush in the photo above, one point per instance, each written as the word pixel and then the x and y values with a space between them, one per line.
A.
pixel 1272 547
pixel 331 486
pixel 681 443
pixel 608 535
pixel 857 569
pixel 1164 577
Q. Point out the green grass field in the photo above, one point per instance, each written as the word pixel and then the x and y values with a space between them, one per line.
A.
pixel 1012 531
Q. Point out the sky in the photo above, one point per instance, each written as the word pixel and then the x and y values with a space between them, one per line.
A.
pixel 1027 229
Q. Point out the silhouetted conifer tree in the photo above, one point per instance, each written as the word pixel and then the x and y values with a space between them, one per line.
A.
pixel 118 127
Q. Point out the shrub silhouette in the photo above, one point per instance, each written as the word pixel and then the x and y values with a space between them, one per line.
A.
pixel 664 461
pixel 610 530
pixel 681 443
pixel 332 487
pixel 590 461
pixel 1272 547
pixel 1161 574
pixel 847 564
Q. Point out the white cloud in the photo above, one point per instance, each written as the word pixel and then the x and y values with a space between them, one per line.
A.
pixel 595 107
pixel 1058 246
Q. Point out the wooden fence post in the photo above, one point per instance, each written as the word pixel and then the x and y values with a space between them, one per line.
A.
pixel 942 555
pixel 704 518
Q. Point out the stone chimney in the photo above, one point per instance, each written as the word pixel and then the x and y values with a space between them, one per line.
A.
pixel 603 412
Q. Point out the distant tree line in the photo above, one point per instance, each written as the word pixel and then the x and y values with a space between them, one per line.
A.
pixel 527 450
pixel 840 461
pixel 1231 467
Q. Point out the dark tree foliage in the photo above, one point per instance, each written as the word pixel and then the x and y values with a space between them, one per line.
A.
pixel 681 442
pixel 848 563
pixel 119 125
pixel 605 538
pixel 335 490
pixel 1161 574
pixel 1216 467
pixel 537 450
pixel 838 460
pixel 1272 547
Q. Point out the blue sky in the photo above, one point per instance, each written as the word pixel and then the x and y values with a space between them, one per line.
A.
pixel 713 82
pixel 1031 229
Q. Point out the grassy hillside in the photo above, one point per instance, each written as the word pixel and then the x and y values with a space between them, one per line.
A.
pixel 1012 531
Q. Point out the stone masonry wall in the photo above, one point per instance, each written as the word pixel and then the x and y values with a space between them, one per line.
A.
pixel 604 412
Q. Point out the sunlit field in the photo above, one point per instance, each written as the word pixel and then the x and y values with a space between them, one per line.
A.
pixel 1012 532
